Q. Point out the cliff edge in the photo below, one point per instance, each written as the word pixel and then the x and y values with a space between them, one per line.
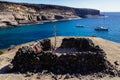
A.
pixel 12 14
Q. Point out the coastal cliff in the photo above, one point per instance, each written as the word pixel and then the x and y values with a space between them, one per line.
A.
pixel 12 14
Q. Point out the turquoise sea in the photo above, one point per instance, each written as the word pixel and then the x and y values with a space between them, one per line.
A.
pixel 27 33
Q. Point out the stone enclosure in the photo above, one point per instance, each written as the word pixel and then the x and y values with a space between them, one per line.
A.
pixel 85 58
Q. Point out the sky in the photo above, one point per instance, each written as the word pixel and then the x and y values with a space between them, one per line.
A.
pixel 102 5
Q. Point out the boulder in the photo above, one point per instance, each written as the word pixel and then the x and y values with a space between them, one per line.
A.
pixel 46 43
pixel 2 24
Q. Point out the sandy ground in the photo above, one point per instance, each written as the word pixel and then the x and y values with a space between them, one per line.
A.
pixel 112 49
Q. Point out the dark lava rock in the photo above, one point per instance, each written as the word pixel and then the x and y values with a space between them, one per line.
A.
pixel 46 43
pixel 81 44
pixel 89 59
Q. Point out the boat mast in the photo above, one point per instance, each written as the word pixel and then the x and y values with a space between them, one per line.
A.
pixel 104 19
pixel 54 37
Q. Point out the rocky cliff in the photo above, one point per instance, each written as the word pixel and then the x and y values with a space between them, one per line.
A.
pixel 12 14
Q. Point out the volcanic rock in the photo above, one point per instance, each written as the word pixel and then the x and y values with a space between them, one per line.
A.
pixel 88 59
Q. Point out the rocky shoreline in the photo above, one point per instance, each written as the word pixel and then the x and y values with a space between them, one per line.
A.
pixel 38 22
pixel 13 14
pixel 14 23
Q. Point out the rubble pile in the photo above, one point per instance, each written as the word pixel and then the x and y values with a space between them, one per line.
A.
pixel 88 59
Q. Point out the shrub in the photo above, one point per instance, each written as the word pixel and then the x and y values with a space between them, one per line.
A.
pixel 1 52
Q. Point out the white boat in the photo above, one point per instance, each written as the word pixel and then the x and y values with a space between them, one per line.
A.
pixel 40 23
pixel 101 28
pixel 79 25
pixel 54 20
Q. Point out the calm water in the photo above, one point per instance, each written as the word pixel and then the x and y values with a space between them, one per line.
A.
pixel 26 33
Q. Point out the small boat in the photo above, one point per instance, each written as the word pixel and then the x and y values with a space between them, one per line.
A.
pixel 79 25
pixel 101 28
pixel 40 23
pixel 54 20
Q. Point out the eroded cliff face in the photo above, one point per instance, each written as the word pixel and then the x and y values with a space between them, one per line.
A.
pixel 12 14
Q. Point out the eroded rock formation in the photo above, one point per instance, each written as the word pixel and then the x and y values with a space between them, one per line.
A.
pixel 22 13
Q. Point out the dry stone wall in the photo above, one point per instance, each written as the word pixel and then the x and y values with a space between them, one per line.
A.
pixel 88 59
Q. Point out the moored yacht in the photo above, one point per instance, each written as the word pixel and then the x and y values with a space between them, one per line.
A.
pixel 101 28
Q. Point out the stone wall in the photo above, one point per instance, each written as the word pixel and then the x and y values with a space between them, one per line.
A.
pixel 88 59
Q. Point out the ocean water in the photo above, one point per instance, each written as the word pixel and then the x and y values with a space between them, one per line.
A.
pixel 27 33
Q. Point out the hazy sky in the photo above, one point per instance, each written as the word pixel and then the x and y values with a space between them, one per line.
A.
pixel 103 5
